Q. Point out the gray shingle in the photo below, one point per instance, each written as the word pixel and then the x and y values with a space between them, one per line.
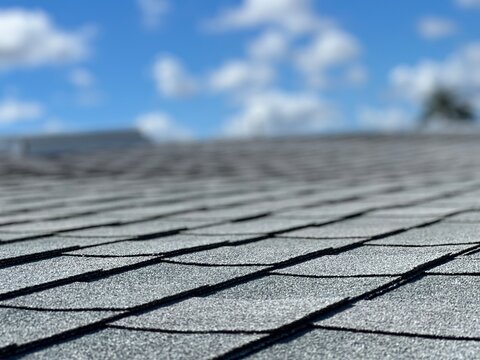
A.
pixel 437 234
pixel 263 252
pixel 329 344
pixel 257 226
pixel 130 344
pixel 280 287
pixel 20 326
pixel 219 314
pixel 45 244
pixel 156 246
pixel 469 217
pixel 359 228
pixel 136 229
pixel 55 225
pixel 370 260
pixel 21 276
pixel 461 265
pixel 131 288
pixel 434 305
pixel 424 211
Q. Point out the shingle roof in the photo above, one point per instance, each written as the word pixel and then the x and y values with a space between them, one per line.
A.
pixel 329 248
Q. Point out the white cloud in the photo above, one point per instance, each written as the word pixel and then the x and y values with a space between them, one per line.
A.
pixel 292 15
pixel 278 113
pixel 29 38
pixel 385 120
pixel 460 71
pixel 432 27
pixel 270 45
pixel 81 78
pixel 468 4
pixel 13 110
pixel 171 78
pixel 160 127
pixel 330 48
pixel 152 12
pixel 241 75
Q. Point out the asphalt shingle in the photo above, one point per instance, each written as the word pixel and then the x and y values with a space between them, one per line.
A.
pixel 434 305
pixel 130 288
pixel 330 344
pixel 370 260
pixel 129 344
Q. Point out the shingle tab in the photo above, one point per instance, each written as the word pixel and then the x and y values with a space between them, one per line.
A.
pixel 434 305
pixel 40 272
pixel 219 314
pixel 20 325
pixel 437 234
pixel 130 288
pixel 370 260
pixel 256 226
pixel 145 345
pixel 264 252
pixel 329 344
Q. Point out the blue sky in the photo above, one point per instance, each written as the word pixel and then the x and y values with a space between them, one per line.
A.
pixel 190 68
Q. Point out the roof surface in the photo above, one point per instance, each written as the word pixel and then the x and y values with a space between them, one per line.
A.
pixel 328 248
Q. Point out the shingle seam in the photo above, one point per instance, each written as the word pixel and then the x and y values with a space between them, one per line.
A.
pixel 397 333
pixel 336 276
pixel 424 246
pixel 49 285
pixel 434 273
pixel 13 261
pixel 26 238
pixel 205 332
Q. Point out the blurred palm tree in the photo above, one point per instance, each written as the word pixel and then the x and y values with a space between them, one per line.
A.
pixel 445 106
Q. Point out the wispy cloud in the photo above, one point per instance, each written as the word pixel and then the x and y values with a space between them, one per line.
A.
pixel 434 27
pixel 81 78
pixel 152 12
pixel 468 4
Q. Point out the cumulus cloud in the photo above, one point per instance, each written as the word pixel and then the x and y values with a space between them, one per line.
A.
pixel 241 75
pixel 30 38
pixel 13 110
pixel 81 78
pixel 312 44
pixel 459 71
pixel 161 127
pixel 385 119
pixel 432 27
pixel 330 48
pixel 171 78
pixel 292 15
pixel 152 12
pixel 270 45
pixel 468 4
pixel 278 113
